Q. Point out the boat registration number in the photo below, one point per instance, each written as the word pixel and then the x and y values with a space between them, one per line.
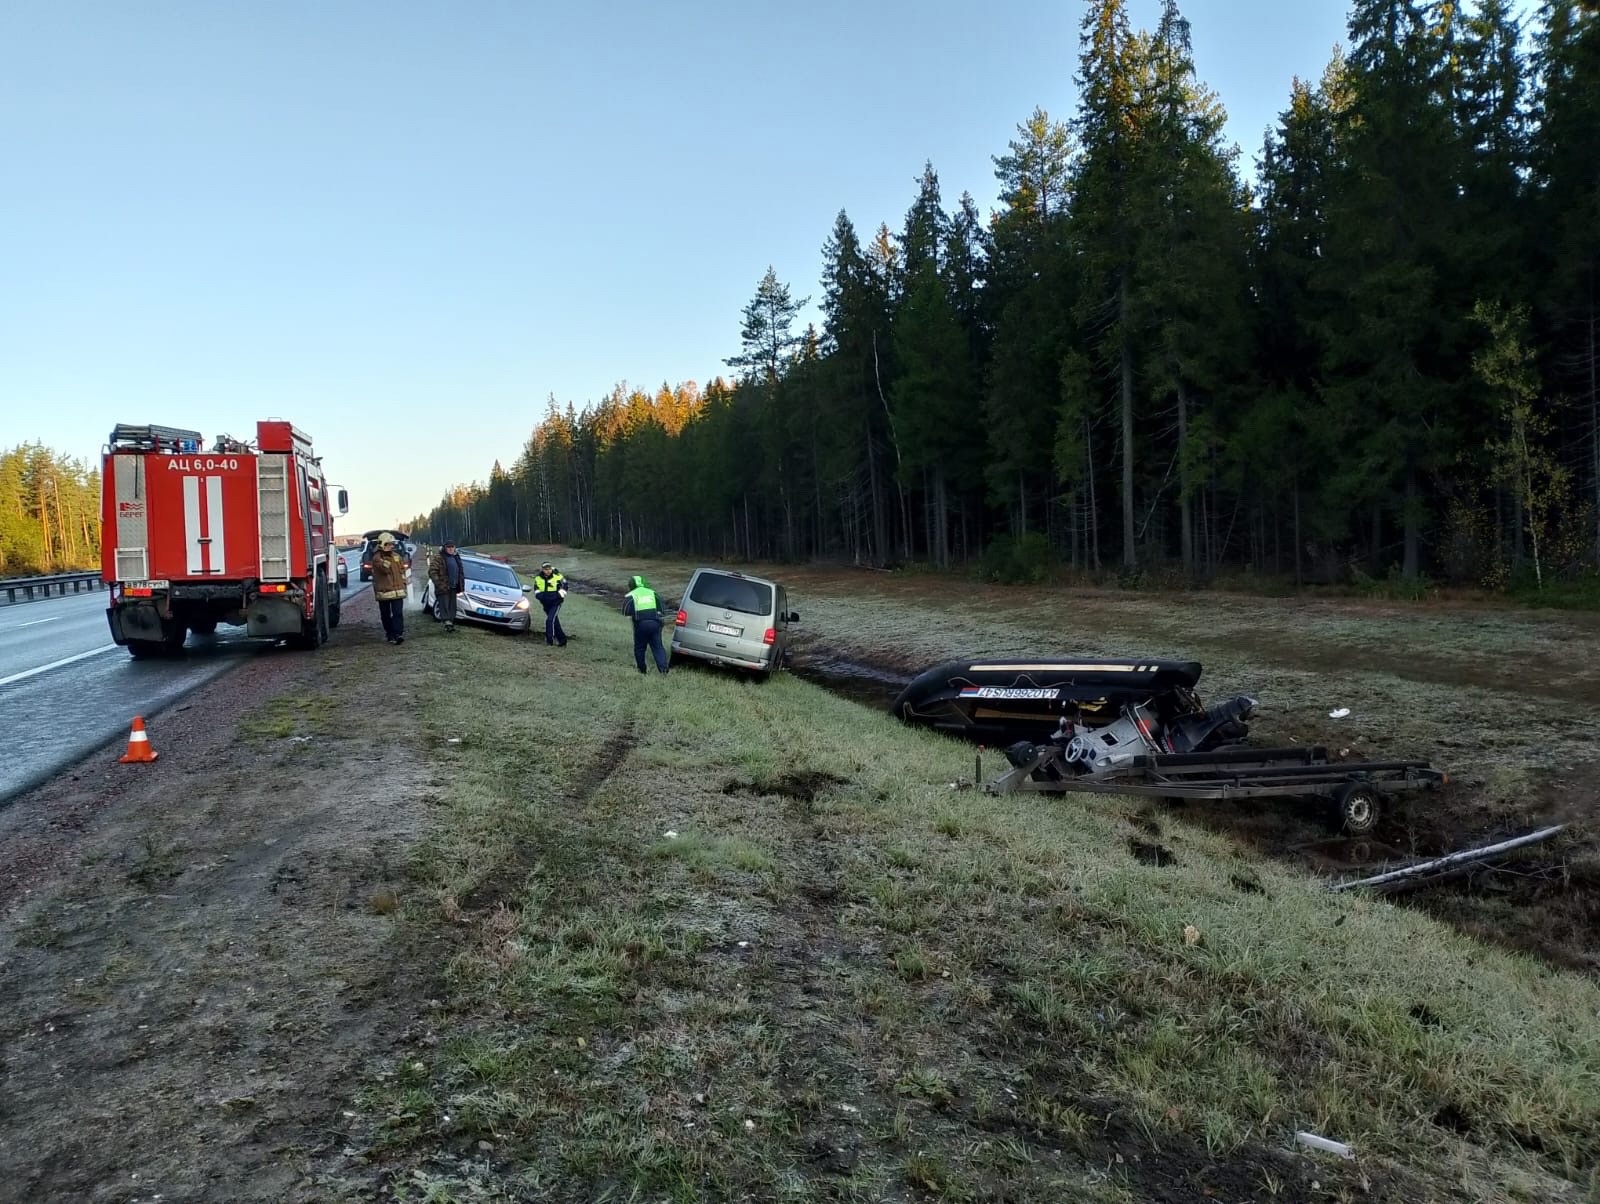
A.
pixel 1009 692
pixel 723 629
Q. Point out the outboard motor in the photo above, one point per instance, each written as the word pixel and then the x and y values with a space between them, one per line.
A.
pixel 1136 734
pixel 1223 723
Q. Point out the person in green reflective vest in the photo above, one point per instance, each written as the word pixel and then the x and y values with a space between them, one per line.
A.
pixel 550 590
pixel 642 606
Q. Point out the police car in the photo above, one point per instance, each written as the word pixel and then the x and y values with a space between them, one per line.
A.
pixel 495 596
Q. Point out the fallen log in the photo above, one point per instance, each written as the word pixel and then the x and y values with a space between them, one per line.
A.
pixel 1415 875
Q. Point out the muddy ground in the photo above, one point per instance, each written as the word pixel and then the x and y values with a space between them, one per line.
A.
pixel 198 958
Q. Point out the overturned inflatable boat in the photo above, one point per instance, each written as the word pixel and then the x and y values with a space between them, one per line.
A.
pixel 1000 701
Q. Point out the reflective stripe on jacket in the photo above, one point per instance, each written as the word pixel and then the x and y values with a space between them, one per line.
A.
pixel 388 576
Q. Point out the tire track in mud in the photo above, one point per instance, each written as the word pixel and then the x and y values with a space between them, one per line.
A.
pixel 807 960
pixel 502 884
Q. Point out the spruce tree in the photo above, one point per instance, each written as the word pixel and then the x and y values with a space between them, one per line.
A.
pixel 1109 126
pixel 1566 162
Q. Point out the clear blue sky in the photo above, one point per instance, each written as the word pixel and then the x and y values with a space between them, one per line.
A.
pixel 404 224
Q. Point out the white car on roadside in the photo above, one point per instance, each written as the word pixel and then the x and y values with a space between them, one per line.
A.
pixel 494 596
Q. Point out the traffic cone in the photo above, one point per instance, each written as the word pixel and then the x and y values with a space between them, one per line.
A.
pixel 138 746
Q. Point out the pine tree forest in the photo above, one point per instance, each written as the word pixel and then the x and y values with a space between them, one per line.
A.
pixel 49 512
pixel 1377 355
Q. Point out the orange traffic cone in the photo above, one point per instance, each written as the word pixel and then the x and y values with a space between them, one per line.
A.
pixel 138 745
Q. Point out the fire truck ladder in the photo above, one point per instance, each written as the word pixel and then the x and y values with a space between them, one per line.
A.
pixel 143 436
pixel 272 502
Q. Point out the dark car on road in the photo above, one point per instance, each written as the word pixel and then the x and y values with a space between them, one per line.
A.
pixel 369 549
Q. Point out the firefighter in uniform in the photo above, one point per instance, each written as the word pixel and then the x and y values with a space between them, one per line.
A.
pixel 389 587
pixel 644 608
pixel 550 588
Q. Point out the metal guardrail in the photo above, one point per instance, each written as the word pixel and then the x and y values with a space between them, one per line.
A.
pixel 29 589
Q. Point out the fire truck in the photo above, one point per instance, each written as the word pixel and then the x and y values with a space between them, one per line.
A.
pixel 238 533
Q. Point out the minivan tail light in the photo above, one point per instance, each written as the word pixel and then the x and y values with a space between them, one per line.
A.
pixel 683 618
pixel 771 636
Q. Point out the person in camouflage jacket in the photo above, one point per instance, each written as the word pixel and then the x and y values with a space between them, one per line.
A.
pixel 449 578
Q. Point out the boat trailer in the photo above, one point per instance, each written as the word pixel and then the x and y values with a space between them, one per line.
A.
pixel 1358 789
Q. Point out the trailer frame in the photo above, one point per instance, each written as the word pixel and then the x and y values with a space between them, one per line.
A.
pixel 1359 789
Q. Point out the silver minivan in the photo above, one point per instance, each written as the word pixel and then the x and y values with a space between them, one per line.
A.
pixel 730 618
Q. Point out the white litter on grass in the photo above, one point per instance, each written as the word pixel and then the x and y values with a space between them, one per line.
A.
pixel 670 835
pixel 1322 1143
pixel 299 739
pixel 1339 714
pixel 744 944
pixel 453 740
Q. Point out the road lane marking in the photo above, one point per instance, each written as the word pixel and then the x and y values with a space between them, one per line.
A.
pixel 82 656
pixel 33 623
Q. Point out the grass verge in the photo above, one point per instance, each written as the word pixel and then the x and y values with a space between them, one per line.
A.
pixel 722 940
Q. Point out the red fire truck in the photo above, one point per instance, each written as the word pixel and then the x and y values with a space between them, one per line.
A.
pixel 238 533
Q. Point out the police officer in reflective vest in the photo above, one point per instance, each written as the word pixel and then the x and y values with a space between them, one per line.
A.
pixel 550 588
pixel 643 608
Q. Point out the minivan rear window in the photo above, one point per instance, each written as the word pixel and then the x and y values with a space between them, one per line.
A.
pixel 732 593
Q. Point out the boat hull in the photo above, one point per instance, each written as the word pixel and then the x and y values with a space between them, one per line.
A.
pixel 996 701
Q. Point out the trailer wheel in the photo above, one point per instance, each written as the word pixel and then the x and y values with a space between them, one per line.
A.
pixel 142 650
pixel 1359 807
pixel 203 626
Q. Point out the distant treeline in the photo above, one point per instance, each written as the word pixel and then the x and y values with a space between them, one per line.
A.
pixel 1381 357
pixel 49 512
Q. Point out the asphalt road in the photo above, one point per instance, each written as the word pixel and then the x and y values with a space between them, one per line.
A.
pixel 65 688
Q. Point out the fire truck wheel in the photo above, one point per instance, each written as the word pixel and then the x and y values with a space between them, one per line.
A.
pixel 333 616
pixel 173 634
pixel 315 633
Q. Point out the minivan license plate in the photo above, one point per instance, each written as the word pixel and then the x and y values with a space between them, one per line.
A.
pixel 723 629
